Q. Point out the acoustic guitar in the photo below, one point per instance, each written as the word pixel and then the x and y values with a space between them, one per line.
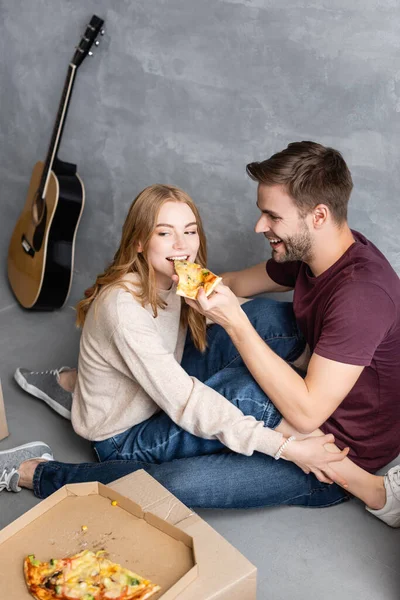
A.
pixel 41 251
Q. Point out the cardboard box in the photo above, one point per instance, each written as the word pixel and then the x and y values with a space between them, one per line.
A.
pixel 3 421
pixel 224 573
pixel 149 531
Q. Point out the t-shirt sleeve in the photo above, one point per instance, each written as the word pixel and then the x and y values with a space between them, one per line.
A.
pixel 283 273
pixel 356 319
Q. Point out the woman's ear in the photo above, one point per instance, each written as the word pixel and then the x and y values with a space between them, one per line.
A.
pixel 139 248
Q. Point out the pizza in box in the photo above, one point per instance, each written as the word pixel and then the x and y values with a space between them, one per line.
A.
pixel 85 576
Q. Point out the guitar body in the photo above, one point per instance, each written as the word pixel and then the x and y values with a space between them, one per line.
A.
pixel 41 252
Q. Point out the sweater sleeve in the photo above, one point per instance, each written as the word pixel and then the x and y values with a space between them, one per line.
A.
pixel 192 405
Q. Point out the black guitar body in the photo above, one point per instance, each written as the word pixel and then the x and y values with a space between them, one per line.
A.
pixel 59 262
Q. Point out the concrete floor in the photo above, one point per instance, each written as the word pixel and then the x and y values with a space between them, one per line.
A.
pixel 337 553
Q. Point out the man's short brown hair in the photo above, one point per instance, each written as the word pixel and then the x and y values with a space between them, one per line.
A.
pixel 311 174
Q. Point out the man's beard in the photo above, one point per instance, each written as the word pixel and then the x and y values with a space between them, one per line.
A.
pixel 297 247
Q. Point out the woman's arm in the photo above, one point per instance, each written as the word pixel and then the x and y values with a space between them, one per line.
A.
pixel 138 350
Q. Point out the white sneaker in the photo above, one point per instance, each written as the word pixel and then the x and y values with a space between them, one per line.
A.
pixel 390 513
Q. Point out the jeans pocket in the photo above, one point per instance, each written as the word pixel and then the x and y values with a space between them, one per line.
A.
pixel 271 417
pixel 108 449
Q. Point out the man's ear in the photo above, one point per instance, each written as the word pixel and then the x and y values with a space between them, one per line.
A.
pixel 320 215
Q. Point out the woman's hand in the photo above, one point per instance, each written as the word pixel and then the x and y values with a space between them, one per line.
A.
pixel 311 456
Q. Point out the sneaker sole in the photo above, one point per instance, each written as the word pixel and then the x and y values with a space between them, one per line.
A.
pixel 47 455
pixel 34 391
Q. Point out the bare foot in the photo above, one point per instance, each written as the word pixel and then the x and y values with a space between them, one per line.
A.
pixel 67 380
pixel 378 496
pixel 26 471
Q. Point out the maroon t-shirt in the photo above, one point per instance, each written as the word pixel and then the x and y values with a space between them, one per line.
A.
pixel 351 314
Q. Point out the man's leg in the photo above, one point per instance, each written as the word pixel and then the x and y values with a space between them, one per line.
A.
pixel 224 480
pixel 273 320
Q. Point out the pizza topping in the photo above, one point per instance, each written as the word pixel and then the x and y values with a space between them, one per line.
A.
pixel 85 576
pixel 32 560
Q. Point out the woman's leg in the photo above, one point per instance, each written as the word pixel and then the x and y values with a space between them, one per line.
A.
pixel 159 439
pixel 274 321
pixel 224 480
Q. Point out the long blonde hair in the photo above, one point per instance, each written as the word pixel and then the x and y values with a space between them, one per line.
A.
pixel 139 226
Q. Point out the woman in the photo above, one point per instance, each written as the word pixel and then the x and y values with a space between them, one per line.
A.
pixel 139 406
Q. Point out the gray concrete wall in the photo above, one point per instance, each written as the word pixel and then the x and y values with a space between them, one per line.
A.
pixel 187 92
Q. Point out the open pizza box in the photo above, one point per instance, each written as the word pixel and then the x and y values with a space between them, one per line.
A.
pixel 148 531
pixel 3 421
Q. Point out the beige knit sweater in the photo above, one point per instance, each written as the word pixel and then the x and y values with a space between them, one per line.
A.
pixel 129 369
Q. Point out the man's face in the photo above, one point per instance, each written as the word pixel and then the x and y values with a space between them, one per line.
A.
pixel 286 230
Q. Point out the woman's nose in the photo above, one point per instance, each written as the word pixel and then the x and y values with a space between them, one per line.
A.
pixel 179 242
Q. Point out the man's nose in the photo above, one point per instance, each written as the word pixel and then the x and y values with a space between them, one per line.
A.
pixel 261 225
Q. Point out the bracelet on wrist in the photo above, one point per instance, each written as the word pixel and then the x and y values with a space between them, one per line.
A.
pixel 277 456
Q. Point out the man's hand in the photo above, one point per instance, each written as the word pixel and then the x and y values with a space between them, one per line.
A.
pixel 312 456
pixel 221 307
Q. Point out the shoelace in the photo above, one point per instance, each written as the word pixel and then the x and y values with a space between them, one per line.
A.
pixel 48 372
pixel 394 479
pixel 5 479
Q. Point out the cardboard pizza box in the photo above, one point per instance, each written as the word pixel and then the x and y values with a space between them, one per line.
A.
pixel 82 516
pixel 223 573
pixel 149 531
pixel 3 421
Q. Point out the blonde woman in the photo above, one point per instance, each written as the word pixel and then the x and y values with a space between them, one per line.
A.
pixel 142 397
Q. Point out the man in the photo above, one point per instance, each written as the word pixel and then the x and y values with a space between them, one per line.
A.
pixel 346 301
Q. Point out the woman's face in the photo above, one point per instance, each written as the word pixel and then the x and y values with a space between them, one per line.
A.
pixel 175 237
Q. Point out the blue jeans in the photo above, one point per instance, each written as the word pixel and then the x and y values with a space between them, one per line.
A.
pixel 159 439
pixel 202 473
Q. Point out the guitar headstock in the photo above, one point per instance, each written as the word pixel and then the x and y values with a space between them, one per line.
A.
pixel 88 39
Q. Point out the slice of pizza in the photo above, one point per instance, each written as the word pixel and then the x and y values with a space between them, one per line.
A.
pixel 85 576
pixel 192 277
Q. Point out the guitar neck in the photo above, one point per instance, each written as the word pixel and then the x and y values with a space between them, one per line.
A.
pixel 57 129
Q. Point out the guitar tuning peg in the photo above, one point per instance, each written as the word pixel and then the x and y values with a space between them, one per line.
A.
pixel 90 53
pixel 102 32
pixel 96 43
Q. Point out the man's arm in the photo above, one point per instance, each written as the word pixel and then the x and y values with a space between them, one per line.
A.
pixel 305 403
pixel 252 281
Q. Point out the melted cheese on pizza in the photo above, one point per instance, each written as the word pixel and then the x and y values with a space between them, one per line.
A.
pixel 192 277
pixel 85 576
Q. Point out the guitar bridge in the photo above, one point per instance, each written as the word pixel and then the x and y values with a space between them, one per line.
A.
pixel 27 247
